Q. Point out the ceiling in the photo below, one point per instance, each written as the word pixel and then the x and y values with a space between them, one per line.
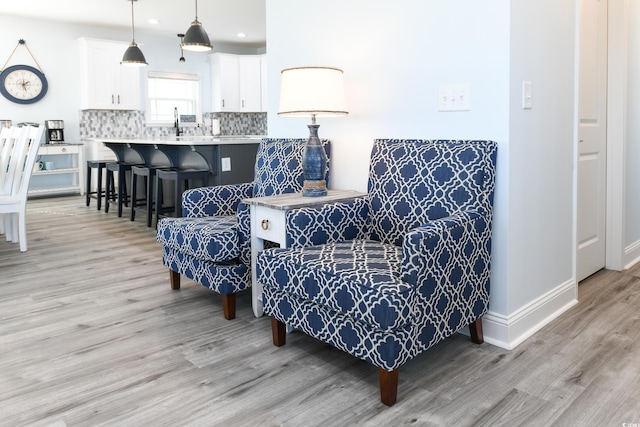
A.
pixel 222 19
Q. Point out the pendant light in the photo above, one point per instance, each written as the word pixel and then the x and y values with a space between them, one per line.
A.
pixel 181 52
pixel 133 56
pixel 196 38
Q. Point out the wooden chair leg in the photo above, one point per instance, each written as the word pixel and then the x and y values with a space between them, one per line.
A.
pixel 229 306
pixel 278 330
pixel 175 279
pixel 475 329
pixel 388 386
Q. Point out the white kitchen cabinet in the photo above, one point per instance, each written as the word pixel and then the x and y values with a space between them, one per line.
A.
pixel 105 84
pixel 263 83
pixel 236 83
pixel 65 174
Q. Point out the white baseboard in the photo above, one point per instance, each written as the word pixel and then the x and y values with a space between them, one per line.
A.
pixel 631 255
pixel 509 331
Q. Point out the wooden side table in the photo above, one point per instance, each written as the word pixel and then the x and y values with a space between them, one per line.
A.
pixel 268 222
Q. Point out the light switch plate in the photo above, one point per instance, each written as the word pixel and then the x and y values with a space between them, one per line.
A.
pixel 226 164
pixel 456 97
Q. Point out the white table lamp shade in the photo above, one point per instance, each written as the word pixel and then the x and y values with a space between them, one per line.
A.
pixel 308 91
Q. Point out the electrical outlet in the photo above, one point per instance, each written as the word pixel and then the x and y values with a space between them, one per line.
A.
pixel 226 164
pixel 454 97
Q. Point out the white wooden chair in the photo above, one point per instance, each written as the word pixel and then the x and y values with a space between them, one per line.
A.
pixel 13 196
pixel 6 145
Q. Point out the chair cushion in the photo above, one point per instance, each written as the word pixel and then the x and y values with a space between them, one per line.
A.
pixel 213 239
pixel 358 278
pixel 224 278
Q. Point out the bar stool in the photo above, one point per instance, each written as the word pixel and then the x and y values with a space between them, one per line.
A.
pixel 100 165
pixel 149 173
pixel 121 195
pixel 181 179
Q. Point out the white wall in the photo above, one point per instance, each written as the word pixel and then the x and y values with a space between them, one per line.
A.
pixel 541 149
pixel 632 154
pixel 395 55
pixel 55 47
pixel 394 58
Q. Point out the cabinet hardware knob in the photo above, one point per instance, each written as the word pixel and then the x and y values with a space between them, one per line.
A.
pixel 265 224
pixel 64 150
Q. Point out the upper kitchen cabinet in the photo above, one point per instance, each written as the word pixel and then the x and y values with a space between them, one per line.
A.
pixel 237 83
pixel 105 84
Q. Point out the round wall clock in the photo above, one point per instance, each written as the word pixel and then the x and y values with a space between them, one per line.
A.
pixel 23 84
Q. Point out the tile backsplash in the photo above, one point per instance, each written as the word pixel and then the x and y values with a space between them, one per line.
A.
pixel 131 124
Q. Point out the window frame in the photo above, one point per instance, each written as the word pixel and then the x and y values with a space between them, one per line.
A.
pixel 151 74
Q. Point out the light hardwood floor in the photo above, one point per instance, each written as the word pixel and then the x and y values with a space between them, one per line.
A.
pixel 91 334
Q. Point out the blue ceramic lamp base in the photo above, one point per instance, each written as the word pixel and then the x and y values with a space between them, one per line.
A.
pixel 314 164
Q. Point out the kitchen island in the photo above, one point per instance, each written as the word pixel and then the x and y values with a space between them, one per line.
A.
pixel 230 159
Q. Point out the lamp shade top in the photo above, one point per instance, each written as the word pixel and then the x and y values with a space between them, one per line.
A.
pixel 312 91
pixel 133 56
pixel 196 38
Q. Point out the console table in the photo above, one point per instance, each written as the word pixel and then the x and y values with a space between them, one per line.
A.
pixel 268 222
pixel 65 173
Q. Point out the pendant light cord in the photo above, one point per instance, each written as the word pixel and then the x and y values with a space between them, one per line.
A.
pixel 133 30
pixel 24 43
pixel 196 10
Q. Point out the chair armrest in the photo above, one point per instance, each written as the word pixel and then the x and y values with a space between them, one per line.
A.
pixel 331 222
pixel 449 252
pixel 244 232
pixel 215 200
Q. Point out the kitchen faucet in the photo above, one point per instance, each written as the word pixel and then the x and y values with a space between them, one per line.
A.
pixel 176 122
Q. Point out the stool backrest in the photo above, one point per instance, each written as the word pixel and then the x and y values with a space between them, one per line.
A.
pixel 412 182
pixel 278 168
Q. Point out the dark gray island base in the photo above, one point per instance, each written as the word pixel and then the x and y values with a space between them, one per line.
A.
pixel 230 160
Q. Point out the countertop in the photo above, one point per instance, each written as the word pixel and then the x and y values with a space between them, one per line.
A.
pixel 297 200
pixel 187 140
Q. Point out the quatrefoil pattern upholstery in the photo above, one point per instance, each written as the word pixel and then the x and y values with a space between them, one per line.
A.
pixel 210 244
pixel 389 275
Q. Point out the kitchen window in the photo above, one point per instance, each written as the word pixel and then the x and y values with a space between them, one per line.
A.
pixel 168 91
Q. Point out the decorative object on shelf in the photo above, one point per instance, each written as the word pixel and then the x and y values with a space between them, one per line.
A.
pixel 54 131
pixel 133 56
pixel 313 92
pixel 181 51
pixel 23 84
pixel 196 38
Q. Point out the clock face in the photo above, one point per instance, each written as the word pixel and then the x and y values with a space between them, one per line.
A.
pixel 23 84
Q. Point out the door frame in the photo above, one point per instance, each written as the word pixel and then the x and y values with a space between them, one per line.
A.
pixel 618 34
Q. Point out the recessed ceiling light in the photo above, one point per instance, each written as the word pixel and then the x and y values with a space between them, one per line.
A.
pixel 153 21
pixel 241 35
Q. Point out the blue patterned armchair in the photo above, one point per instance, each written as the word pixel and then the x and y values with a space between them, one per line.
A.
pixel 210 244
pixel 387 276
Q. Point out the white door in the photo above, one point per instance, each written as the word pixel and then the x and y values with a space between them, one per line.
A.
pixel 592 135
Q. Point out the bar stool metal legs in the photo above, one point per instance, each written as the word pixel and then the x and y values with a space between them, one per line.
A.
pixel 100 192
pixel 121 196
pixel 148 173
